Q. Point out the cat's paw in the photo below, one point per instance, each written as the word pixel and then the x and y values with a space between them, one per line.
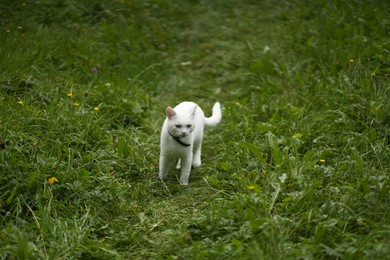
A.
pixel 184 179
pixel 196 164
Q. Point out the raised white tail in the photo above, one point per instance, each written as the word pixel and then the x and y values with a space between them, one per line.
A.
pixel 215 117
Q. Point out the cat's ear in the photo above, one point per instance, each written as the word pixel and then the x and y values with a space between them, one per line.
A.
pixel 170 112
pixel 193 112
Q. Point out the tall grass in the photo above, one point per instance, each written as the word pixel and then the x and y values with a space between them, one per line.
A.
pixel 298 168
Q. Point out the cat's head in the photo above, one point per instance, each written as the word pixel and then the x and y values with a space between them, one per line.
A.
pixel 179 124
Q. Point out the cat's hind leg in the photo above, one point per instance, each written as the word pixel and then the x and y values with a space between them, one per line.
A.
pixel 178 164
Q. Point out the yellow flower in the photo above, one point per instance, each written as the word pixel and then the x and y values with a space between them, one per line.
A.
pixel 298 135
pixel 69 94
pixel 96 108
pixel 322 161
pixel 20 102
pixel 351 61
pixel 251 187
pixel 20 27
pixel 52 180
pixel 76 104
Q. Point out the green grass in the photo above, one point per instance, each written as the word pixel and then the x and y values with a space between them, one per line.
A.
pixel 297 169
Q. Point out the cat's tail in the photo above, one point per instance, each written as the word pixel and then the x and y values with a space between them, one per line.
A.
pixel 216 116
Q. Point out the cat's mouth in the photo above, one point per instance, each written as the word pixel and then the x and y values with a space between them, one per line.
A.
pixel 178 135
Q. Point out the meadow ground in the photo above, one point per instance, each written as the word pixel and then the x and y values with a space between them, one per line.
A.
pixel 297 169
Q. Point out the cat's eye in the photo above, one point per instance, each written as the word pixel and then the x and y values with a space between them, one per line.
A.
pixel 188 126
pixel 178 126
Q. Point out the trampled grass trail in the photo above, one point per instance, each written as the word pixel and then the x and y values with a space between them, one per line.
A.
pixel 297 169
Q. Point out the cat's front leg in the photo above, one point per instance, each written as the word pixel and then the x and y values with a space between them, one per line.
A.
pixel 185 169
pixel 164 167
pixel 196 161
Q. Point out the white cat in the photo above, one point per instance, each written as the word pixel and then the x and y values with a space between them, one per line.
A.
pixel 181 137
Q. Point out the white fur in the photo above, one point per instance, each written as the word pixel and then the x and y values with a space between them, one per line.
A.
pixel 186 122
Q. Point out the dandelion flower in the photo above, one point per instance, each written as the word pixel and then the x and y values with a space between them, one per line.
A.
pixel 322 161
pixel 52 180
pixel 70 94
pixel 298 135
pixel 76 104
pixel 20 102
pixel 351 61
pixel 251 187
pixel 96 108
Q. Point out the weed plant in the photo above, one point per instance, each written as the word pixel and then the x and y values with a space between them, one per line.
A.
pixel 298 168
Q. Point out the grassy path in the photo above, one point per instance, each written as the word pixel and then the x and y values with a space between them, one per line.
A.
pixel 298 168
